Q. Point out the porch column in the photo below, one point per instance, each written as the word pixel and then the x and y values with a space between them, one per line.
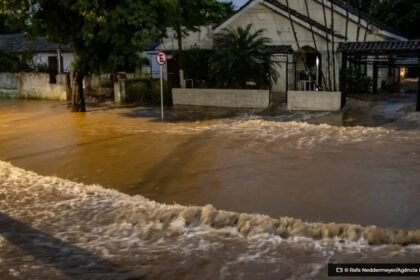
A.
pixel 375 78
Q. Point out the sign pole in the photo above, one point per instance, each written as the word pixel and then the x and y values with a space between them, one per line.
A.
pixel 161 93
pixel 161 60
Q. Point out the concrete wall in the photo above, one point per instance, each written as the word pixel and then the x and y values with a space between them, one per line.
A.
pixel 9 85
pixel 30 85
pixel 119 92
pixel 314 101
pixel 232 98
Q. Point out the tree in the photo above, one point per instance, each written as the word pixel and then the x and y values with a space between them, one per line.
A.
pixel 105 35
pixel 188 15
pixel 10 24
pixel 240 53
pixel 324 12
pixel 404 15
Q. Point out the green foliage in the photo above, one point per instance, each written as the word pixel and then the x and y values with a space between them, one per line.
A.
pixel 105 35
pixel 358 81
pixel 190 14
pixel 403 15
pixel 9 24
pixel 14 63
pixel 196 64
pixel 239 58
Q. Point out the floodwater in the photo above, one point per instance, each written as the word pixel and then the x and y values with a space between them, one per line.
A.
pixel 304 165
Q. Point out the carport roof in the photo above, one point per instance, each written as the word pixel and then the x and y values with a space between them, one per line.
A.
pixel 384 47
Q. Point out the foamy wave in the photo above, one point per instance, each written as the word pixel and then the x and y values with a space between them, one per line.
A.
pixel 413 116
pixel 69 207
pixel 301 134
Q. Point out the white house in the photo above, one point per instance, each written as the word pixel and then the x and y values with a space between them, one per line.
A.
pixel 316 35
pixel 44 54
pixel 319 26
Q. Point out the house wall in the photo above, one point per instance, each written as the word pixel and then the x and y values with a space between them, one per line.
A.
pixel 30 85
pixel 42 58
pixel 279 29
pixel 316 13
pixel 232 98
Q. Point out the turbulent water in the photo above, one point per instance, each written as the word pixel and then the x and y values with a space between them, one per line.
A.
pixel 53 229
pixel 334 181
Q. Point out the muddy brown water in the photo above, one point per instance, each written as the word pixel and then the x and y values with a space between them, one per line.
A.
pixel 279 166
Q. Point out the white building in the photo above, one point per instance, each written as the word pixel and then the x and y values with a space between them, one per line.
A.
pixel 317 37
pixel 44 54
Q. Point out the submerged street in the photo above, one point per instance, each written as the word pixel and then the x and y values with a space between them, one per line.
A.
pixel 321 168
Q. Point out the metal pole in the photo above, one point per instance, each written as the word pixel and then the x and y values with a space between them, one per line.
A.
pixel 161 93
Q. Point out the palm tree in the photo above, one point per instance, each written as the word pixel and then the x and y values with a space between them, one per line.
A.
pixel 240 57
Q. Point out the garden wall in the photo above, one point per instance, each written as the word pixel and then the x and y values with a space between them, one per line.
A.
pixel 30 85
pixel 314 100
pixel 232 98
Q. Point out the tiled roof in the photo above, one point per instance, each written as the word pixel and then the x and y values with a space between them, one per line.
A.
pixel 278 49
pixel 303 17
pixel 412 46
pixel 20 42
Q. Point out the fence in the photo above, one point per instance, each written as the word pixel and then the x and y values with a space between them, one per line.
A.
pixel 141 91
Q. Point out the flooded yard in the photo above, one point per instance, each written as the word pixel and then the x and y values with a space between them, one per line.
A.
pixel 317 167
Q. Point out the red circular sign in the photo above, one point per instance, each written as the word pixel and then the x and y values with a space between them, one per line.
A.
pixel 161 58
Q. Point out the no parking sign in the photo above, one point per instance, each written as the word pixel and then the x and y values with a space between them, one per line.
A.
pixel 161 58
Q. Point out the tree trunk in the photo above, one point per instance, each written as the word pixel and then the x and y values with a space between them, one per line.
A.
pixel 68 90
pixel 295 35
pixel 315 44
pixel 347 20
pixel 78 96
pixel 180 56
pixel 367 22
pixel 358 21
pixel 328 47
pixel 333 46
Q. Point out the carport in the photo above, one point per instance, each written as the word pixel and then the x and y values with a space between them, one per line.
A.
pixel 390 54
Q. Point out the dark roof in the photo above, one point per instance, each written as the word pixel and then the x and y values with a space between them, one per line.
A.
pixel 370 19
pixel 303 17
pixel 278 49
pixel 20 42
pixel 400 47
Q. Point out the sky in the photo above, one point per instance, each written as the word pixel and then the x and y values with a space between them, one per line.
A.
pixel 239 3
